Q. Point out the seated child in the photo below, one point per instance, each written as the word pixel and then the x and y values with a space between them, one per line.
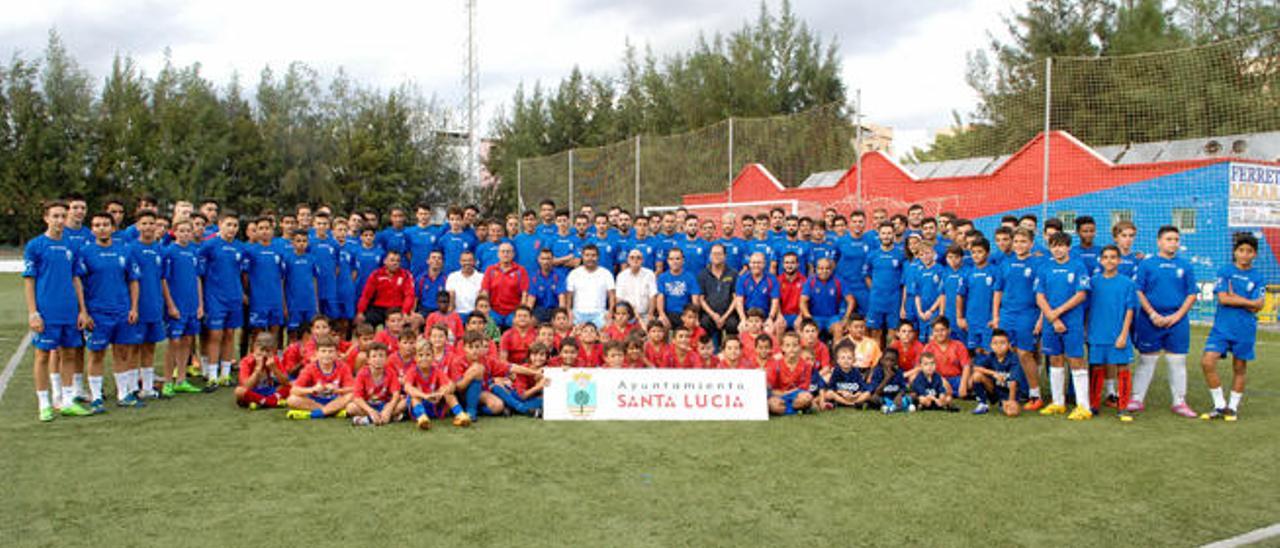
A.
pixel 430 392
pixel 931 390
pixel 731 356
pixel 657 352
pixel 995 376
pixel 635 351
pixel 788 377
pixel 524 394
pixel 323 389
pixel 263 382
pixel 622 324
pixel 376 399
pixel 445 315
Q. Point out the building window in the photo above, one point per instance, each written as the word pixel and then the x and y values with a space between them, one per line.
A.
pixel 1068 219
pixel 1185 219
pixel 1118 215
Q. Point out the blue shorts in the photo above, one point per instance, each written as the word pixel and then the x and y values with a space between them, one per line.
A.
pixel 860 301
pixel 377 405
pixel 790 319
pixel 825 322
pixel 432 410
pixel 340 309
pixel 328 307
pixel 1021 329
pixel 322 400
pixel 265 318
pixel 978 337
pixel 109 329
pixel 504 320
pixel 1070 343
pixel 265 391
pixel 789 398
pixel 1107 354
pixel 299 319
pixel 186 326
pixel 148 333
pixel 881 316
pixel 1239 345
pixel 58 336
pixel 1175 339
pixel 217 318
pixel 954 381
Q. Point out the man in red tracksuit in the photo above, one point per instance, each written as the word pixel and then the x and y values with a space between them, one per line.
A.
pixel 389 287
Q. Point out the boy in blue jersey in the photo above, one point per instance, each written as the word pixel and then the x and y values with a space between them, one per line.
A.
pixel 184 304
pixel 606 243
pixel 324 250
pixel 676 289
pixel 393 237
pixel 1241 294
pixel 52 312
pixel 790 242
pixel 851 256
pixel 927 296
pixel 883 273
pixel 852 384
pixel 1014 309
pixel 953 279
pixel 528 242
pixel 1124 233
pixel 996 376
pixel 1167 289
pixel 563 245
pixel 546 288
pixel 222 257
pixel 1087 251
pixel 431 284
pixel 264 277
pixel 1061 286
pixel 734 247
pixel 301 290
pixel 761 244
pixel 344 304
pixel 823 297
pixel 148 255
pixel 455 242
pixel 110 280
pixel 368 257
pixel 487 251
pixel 641 241
pixel 1113 302
pixel 819 246
pixel 1003 239
pixel 420 240
pixel 547 213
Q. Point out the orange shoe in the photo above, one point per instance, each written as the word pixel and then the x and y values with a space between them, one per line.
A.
pixel 1033 404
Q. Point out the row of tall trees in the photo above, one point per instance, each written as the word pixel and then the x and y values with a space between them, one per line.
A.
pixel 177 135
pixel 1217 74
pixel 774 65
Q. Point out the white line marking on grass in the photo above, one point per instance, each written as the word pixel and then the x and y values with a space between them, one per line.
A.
pixel 1256 535
pixel 13 364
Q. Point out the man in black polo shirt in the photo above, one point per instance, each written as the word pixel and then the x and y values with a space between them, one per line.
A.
pixel 717 283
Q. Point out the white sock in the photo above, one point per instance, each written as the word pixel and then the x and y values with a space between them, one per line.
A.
pixel 225 370
pixel 148 379
pixel 1110 385
pixel 1177 377
pixel 68 398
pixel 77 384
pixel 1058 385
pixel 1033 392
pixel 42 396
pixel 95 386
pixel 1219 401
pixel 55 386
pixel 210 372
pixel 1235 400
pixel 1080 379
pixel 1142 374
pixel 122 385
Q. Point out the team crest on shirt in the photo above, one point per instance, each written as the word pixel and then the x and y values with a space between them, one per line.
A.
pixel 68 251
pixel 1071 277
pixel 121 260
pixel 1026 273
pixel 1179 273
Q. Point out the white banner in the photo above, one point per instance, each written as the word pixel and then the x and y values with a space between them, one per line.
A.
pixel 655 394
pixel 1254 196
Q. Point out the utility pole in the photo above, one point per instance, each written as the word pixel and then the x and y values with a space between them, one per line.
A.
pixel 473 104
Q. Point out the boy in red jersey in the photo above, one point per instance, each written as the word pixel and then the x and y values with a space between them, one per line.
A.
pixel 622 324
pixel 431 395
pixel 615 353
pixel 263 382
pixel 445 315
pixel 376 399
pixel 359 354
pixel 950 356
pixel 657 352
pixel 908 346
pixel 523 394
pixel 471 371
pixel 547 336
pixel 514 345
pixel 323 389
pixel 707 354
pixel 568 354
pixel 683 355
pixel 788 377
pixel 391 331
pixel 809 340
pixel 731 356
pixel 590 350
pixel 635 352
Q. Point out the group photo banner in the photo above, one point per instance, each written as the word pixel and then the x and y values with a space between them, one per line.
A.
pixel 579 394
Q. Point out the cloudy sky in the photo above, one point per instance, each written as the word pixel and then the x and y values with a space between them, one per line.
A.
pixel 907 57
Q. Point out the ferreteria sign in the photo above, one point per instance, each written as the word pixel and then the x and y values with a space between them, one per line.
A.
pixel 655 394
pixel 1254 198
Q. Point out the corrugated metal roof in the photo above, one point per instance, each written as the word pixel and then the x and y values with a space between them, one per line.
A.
pixel 822 179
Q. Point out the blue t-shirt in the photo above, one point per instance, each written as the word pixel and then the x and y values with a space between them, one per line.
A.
pixel 696 252
pixel 429 289
pixel 764 247
pixel 325 253
pixel 563 245
pixel 851 257
pixel 979 289
pixel 758 293
pixel 885 270
pixel 1017 285
pixel 105 272
pixel 1248 284
pixel 662 246
pixel 77 237
pixel 1128 266
pixel 300 273
pixel 52 264
pixel 824 297
pixel 150 263
pixel 1109 300
pixel 1088 256
pixel 1058 282
pixel 782 246
pixel 927 285
pixel 734 256
pixel 222 267
pixel 855 380
pixel 1166 282
pixel 182 272
pixel 926 387
pixel 368 259
pixel 952 285
pixel 392 239
pixel 677 290
pixel 647 249
pixel 819 251
pixel 421 241
pixel 452 245
pixel 1008 366
pixel 487 254
pixel 546 288
pixel 527 248
pixel 607 249
pixel 265 269
pixel 346 288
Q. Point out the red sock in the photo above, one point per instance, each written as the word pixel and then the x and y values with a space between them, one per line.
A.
pixel 251 397
pixel 1124 385
pixel 1097 376
pixel 271 401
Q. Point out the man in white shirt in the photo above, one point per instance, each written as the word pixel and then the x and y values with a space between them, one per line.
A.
pixel 589 289
pixel 637 286
pixel 464 285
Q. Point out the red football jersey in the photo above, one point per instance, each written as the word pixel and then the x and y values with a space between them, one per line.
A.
pixel 393 344
pixel 783 378
pixel 267 381
pixel 428 380
pixel 590 355
pixel 690 360
pixel 821 355
pixel 950 360
pixel 657 355
pixel 516 344
pixel 909 356
pixel 451 320
pixel 789 289
pixel 613 333
pixel 338 377
pixel 374 390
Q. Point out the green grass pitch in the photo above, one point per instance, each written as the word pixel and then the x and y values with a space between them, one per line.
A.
pixel 197 471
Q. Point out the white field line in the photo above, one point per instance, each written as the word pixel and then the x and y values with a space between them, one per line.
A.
pixel 12 366
pixel 1256 535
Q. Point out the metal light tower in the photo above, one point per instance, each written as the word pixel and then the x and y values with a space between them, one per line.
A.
pixel 473 104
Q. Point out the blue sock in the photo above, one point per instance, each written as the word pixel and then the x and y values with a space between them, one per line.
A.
pixel 419 410
pixel 317 413
pixel 472 398
pixel 533 404
pixel 456 410
pixel 510 398
pixel 789 410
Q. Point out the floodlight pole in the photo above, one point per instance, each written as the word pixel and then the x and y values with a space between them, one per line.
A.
pixel 637 209
pixel 520 184
pixel 1048 103
pixel 857 144
pixel 730 159
pixel 473 103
